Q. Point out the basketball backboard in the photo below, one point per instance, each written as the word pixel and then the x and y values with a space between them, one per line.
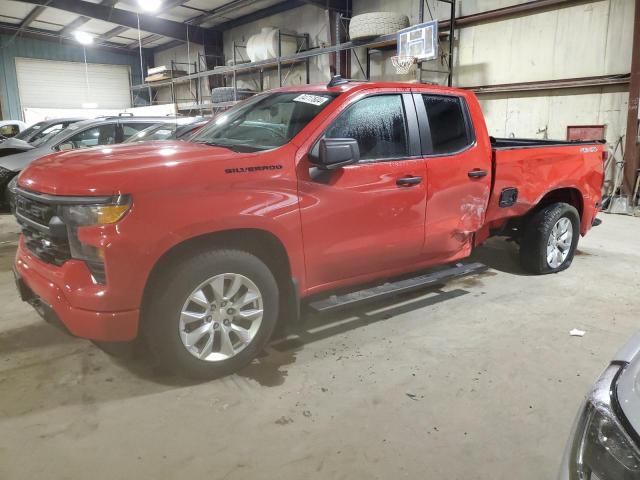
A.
pixel 420 41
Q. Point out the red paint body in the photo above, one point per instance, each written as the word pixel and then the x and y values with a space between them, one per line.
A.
pixel 358 227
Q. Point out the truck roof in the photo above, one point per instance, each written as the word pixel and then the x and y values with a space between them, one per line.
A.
pixel 356 85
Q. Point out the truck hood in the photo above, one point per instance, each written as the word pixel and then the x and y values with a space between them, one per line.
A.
pixel 628 388
pixel 124 168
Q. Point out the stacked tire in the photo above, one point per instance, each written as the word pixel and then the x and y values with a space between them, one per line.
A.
pixel 375 24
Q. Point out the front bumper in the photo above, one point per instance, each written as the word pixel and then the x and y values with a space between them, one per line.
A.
pixel 44 285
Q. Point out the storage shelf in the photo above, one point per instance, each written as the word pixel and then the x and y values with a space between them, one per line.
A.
pixel 379 42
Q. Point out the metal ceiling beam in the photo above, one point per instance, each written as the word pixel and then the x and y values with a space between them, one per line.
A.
pixel 78 22
pixel 31 16
pixel 114 32
pixel 120 29
pixel 31 32
pixel 69 28
pixel 337 5
pixel 149 23
pixel 260 14
pixel 252 17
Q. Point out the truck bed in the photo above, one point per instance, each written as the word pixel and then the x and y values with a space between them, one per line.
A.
pixel 511 143
pixel 537 167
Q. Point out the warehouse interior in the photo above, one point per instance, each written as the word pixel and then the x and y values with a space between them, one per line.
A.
pixel 481 372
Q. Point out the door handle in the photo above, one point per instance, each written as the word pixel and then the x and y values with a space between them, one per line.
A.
pixel 408 181
pixel 477 173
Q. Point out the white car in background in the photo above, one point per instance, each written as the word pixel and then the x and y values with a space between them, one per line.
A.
pixel 605 439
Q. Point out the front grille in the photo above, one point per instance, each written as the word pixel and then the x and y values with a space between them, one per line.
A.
pixel 39 212
pixel 35 219
pixel 45 247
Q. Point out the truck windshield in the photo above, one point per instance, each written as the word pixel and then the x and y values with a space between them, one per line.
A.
pixel 264 122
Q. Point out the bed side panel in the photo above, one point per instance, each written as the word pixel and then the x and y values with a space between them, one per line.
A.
pixel 537 171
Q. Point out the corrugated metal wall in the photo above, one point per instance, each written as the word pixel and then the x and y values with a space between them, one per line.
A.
pixel 11 47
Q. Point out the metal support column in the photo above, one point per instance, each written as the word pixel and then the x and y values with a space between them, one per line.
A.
pixel 420 20
pixel 452 22
pixel 368 71
pixel 338 41
pixel 235 78
pixel 307 40
pixel 631 161
pixel 279 55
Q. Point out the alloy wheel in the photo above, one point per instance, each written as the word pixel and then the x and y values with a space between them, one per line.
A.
pixel 559 243
pixel 221 317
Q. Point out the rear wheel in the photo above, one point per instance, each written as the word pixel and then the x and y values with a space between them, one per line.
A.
pixel 215 313
pixel 550 239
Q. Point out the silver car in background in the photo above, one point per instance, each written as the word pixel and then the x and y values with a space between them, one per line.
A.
pixel 605 439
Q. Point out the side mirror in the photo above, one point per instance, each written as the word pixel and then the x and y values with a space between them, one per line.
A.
pixel 65 146
pixel 337 152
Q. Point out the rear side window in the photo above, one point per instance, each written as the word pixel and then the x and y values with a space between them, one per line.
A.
pixel 130 129
pixel 378 124
pixel 449 129
pixel 101 135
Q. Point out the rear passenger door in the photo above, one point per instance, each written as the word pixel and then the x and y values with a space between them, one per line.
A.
pixel 458 177
pixel 367 218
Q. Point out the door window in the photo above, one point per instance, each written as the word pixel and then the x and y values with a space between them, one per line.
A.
pixel 102 135
pixel 378 123
pixel 130 129
pixel 449 131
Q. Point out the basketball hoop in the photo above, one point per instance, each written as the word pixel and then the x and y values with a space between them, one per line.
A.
pixel 403 64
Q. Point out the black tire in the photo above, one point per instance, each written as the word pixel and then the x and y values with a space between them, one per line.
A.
pixel 533 245
pixel 162 315
pixel 226 94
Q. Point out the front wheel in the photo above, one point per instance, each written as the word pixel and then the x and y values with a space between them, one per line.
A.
pixel 212 314
pixel 550 239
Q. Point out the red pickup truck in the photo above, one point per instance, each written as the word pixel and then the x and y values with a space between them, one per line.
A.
pixel 200 247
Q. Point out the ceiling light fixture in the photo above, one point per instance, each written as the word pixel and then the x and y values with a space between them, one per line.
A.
pixel 83 37
pixel 149 5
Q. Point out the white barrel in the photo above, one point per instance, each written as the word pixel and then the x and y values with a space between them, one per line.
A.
pixel 264 45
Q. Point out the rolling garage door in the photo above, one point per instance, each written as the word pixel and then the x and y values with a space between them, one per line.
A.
pixel 53 84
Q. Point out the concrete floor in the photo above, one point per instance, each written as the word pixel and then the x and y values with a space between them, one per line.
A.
pixel 477 380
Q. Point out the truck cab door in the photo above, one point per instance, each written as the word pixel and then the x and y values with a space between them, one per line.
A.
pixel 458 178
pixel 364 219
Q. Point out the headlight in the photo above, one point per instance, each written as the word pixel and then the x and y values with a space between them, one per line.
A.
pixel 602 448
pixel 76 216
pixel 86 215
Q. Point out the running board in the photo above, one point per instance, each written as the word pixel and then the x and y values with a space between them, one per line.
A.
pixel 393 288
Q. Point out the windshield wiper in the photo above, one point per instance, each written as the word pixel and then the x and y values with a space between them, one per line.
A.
pixel 238 148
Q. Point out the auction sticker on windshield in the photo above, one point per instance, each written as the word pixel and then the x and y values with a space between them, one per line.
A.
pixel 312 99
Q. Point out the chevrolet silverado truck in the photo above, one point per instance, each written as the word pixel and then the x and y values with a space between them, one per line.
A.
pixel 301 195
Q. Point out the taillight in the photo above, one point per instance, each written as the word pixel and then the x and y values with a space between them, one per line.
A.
pixel 605 155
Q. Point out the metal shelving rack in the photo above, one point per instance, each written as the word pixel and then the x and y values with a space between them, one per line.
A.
pixel 303 44
pixel 304 55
